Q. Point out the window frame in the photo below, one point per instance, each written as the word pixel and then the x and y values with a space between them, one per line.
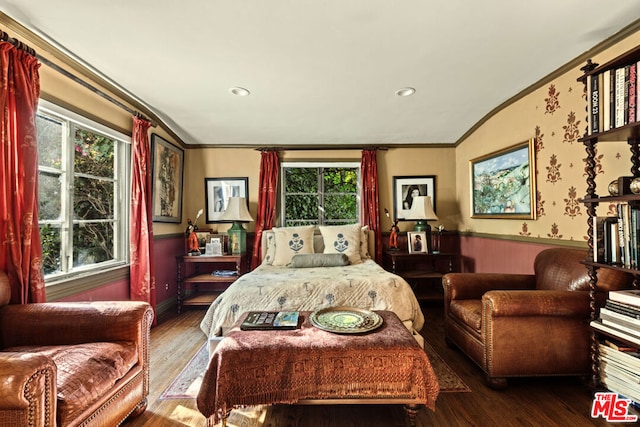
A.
pixel 77 279
pixel 321 164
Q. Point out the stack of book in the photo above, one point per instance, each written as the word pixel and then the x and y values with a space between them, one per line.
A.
pixel 620 359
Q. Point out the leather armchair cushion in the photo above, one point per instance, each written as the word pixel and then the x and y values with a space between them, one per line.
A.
pixel 469 312
pixel 86 372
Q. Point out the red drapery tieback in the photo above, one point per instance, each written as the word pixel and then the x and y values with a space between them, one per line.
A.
pixel 142 280
pixel 370 198
pixel 20 248
pixel 269 168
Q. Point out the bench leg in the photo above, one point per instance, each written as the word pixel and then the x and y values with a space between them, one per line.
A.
pixel 412 412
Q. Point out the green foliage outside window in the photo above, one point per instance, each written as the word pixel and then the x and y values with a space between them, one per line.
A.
pixel 320 195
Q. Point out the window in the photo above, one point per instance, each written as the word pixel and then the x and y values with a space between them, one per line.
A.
pixel 83 188
pixel 320 193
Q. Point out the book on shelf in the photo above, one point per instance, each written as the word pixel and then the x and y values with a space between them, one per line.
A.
pixel 265 320
pixel 622 308
pixel 623 319
pixel 606 92
pixel 632 95
pixel 620 371
pixel 598 325
pixel 595 104
pixel 630 359
pixel 622 327
pixel 626 296
pixel 599 249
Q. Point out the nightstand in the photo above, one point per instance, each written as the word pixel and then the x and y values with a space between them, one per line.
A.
pixel 196 273
pixel 421 270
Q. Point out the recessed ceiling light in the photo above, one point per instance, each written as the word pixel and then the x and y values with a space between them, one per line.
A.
pixel 405 91
pixel 239 91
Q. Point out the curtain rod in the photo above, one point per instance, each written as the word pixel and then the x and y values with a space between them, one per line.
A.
pixel 22 46
pixel 17 43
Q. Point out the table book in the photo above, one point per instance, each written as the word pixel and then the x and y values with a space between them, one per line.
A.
pixel 270 320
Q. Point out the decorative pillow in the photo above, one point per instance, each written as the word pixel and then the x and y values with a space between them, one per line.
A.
pixel 343 239
pixel 364 243
pixel 318 260
pixel 291 241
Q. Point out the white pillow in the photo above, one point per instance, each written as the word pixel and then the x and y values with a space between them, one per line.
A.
pixel 291 241
pixel 343 239
pixel 364 243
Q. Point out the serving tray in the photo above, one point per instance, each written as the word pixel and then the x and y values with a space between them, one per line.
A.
pixel 345 320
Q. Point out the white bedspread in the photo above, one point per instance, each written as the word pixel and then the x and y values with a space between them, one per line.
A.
pixel 366 285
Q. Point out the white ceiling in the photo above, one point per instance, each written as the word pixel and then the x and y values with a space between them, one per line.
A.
pixel 323 72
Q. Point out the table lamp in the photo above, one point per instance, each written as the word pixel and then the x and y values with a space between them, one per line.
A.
pixel 237 212
pixel 422 211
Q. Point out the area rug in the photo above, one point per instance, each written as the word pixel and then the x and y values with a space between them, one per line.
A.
pixel 187 383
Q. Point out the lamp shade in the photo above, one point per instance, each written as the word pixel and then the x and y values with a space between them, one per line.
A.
pixel 237 210
pixel 421 209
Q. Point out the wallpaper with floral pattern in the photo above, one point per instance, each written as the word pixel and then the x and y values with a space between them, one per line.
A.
pixel 555 116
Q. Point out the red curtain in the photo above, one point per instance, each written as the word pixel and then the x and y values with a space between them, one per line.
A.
pixel 370 197
pixel 142 280
pixel 269 168
pixel 21 249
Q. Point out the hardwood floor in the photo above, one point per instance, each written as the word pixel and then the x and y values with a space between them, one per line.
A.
pixel 526 402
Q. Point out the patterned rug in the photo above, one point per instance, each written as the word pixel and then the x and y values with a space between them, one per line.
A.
pixel 187 383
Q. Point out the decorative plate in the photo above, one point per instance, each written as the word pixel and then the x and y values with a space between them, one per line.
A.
pixel 345 320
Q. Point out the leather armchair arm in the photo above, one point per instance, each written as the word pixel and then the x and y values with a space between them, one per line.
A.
pixel 536 303
pixel 28 389
pixel 74 323
pixel 474 285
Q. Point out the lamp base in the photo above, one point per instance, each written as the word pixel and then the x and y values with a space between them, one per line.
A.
pixel 421 225
pixel 237 239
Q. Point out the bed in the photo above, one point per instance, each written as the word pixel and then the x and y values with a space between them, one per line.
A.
pixel 303 271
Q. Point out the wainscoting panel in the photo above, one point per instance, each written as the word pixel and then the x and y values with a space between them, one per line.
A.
pixel 498 255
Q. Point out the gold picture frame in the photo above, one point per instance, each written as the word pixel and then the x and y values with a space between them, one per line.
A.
pixel 503 183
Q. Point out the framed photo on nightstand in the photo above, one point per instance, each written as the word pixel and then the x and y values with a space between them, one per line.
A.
pixel 417 241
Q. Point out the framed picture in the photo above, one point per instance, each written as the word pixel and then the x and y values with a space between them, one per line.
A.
pixel 203 238
pixel 405 188
pixel 417 241
pixel 167 165
pixel 503 183
pixel 217 193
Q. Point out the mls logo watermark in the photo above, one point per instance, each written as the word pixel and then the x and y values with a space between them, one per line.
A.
pixel 612 408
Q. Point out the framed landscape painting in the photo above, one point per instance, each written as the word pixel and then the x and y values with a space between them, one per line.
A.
pixel 503 183
pixel 167 163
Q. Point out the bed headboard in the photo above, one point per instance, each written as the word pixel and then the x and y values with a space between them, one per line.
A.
pixel 318 243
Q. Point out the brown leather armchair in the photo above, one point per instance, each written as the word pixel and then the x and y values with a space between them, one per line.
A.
pixel 71 364
pixel 516 325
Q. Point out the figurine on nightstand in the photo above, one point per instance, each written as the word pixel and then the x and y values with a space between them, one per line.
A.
pixel 393 236
pixel 192 238
pixel 193 248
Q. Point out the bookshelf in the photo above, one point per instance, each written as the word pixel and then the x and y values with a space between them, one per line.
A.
pixel 613 98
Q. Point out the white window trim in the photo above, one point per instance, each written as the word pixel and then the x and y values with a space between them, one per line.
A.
pixel 65 284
